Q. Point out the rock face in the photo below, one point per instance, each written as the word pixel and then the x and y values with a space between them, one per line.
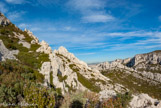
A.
pixel 3 20
pixel 146 61
pixel 144 67
pixel 25 44
pixel 117 64
pixel 46 69
pixel 144 101
pixel 5 53
pixel 35 39
pixel 44 48
pixel 66 71
pixel 148 65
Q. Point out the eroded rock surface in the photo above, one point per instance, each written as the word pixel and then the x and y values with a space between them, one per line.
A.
pixel 66 69
pixel 5 53
pixel 144 101
pixel 45 48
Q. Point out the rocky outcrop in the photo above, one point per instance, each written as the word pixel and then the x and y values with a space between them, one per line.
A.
pixel 45 70
pixel 66 70
pixel 25 44
pixel 45 48
pixel 145 60
pixel 35 39
pixel 117 64
pixel 3 20
pixel 144 101
pixel 147 65
pixel 5 53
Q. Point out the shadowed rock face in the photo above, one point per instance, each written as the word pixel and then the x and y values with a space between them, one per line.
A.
pixel 3 20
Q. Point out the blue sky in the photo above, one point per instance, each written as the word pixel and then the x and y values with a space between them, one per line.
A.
pixel 94 30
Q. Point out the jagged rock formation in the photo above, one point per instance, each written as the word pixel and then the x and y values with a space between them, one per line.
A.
pixel 68 71
pixel 143 69
pixel 149 61
pixel 35 39
pixel 144 101
pixel 147 65
pixel 5 53
pixel 46 69
pixel 117 64
pixel 44 48
pixel 3 20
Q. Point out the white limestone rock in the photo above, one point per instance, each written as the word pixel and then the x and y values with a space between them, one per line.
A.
pixel 152 58
pixel 70 56
pixel 35 39
pixel 5 53
pixel 105 94
pixel 45 70
pixel 144 101
pixel 24 44
pixel 61 60
pixel 45 48
pixel 19 36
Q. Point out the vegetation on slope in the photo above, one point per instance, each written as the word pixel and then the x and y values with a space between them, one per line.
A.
pixel 86 99
pixel 134 84
pixel 20 80
pixel 88 83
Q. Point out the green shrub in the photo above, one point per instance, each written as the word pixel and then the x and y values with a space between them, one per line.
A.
pixel 51 80
pixel 62 78
pixel 76 104
pixel 88 83
pixel 134 84
pixel 120 101
pixel 41 97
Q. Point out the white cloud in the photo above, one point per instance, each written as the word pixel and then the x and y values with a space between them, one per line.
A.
pixel 87 5
pixel 132 34
pixel 35 29
pixel 13 16
pixel 69 28
pixel 3 7
pixel 16 1
pixel 23 25
pixel 85 53
pixel 47 3
pixel 153 41
pixel 92 11
pixel 51 29
pixel 98 18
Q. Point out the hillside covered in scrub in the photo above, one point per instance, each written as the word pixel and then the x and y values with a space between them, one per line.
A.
pixel 32 75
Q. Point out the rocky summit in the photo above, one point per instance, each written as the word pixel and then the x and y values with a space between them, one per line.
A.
pixel 32 73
